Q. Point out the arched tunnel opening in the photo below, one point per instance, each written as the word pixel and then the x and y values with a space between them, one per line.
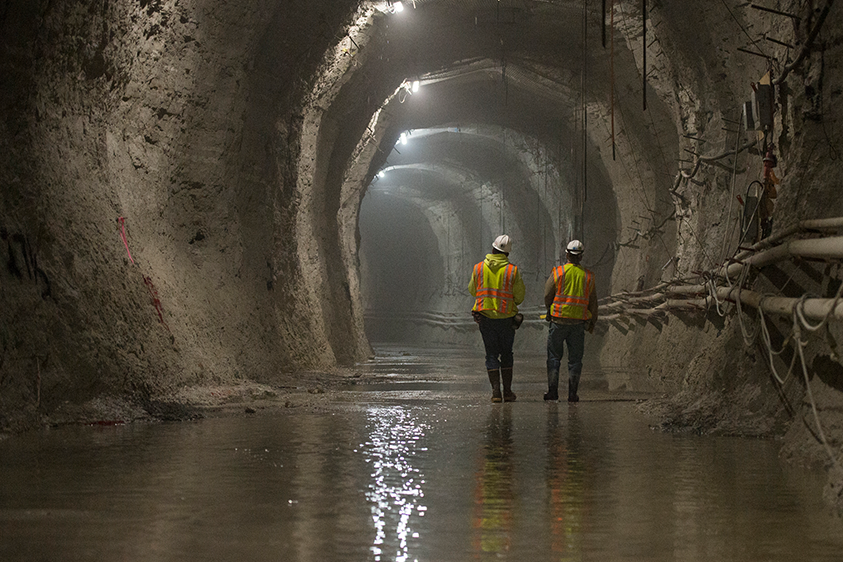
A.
pixel 213 205
pixel 471 183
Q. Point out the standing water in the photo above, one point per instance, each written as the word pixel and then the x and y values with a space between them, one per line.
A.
pixel 427 470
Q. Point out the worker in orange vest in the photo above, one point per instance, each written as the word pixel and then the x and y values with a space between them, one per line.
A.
pixel 766 206
pixel 571 303
pixel 498 289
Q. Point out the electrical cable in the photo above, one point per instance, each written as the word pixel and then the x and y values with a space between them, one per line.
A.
pixel 800 304
pixel 747 339
pixel 745 32
pixel 712 293
pixel 768 344
pixel 727 231
pixel 797 338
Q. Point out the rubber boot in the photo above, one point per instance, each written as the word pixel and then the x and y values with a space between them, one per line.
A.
pixel 506 375
pixel 573 384
pixel 495 379
pixel 552 394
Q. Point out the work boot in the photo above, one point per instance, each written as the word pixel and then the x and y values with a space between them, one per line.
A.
pixel 552 394
pixel 495 379
pixel 506 375
pixel 573 383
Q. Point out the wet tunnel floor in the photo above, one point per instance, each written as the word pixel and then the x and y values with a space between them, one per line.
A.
pixel 418 467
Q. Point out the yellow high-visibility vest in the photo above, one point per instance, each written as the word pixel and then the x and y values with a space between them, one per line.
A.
pixel 574 285
pixel 495 290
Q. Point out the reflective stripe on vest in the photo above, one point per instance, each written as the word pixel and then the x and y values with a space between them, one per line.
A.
pixel 499 299
pixel 573 288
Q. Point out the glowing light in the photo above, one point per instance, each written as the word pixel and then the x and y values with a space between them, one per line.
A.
pixel 416 85
pixel 395 492
pixel 381 174
pixel 398 7
pixel 403 138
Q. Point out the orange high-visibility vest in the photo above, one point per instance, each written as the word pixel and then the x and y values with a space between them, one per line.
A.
pixel 574 285
pixel 495 292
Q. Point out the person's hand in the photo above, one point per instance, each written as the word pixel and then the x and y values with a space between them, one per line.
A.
pixel 590 327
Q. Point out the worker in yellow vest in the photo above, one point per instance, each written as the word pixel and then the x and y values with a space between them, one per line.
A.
pixel 571 303
pixel 498 289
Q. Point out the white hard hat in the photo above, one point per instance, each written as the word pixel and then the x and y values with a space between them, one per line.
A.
pixel 503 243
pixel 575 247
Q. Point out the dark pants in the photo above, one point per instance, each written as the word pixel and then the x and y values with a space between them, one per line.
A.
pixel 498 338
pixel 574 336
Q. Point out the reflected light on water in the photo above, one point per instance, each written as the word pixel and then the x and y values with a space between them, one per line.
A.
pixel 395 489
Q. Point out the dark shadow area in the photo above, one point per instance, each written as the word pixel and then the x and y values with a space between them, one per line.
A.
pixel 829 371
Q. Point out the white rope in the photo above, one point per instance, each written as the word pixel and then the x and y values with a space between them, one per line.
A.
pixel 797 339
pixel 768 344
pixel 712 292
pixel 800 305
pixel 747 339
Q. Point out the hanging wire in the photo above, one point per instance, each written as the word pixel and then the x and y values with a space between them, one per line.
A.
pixel 727 232
pixel 584 110
pixel 747 338
pixel 800 305
pixel 743 29
pixel 768 344
pixel 612 71
pixel 800 345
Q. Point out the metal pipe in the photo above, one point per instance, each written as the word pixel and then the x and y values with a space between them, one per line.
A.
pixel 806 225
pixel 818 248
pixel 772 11
pixel 815 309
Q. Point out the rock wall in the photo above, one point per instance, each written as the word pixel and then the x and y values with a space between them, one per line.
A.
pixel 180 185
pixel 149 168
pixel 716 370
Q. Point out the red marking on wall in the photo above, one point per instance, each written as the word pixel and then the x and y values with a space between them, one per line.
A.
pixel 122 222
pixel 156 302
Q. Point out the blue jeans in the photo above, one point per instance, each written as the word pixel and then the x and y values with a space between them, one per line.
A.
pixel 574 336
pixel 498 338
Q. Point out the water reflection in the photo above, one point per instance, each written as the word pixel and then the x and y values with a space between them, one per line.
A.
pixel 494 493
pixel 566 483
pixel 524 481
pixel 395 490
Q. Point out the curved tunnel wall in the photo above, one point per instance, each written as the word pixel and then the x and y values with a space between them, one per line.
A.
pixel 227 138
pixel 236 143
pixel 491 180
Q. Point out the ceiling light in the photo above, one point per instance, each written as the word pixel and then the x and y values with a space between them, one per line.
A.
pixel 398 7
pixel 381 174
pixel 403 138
pixel 415 85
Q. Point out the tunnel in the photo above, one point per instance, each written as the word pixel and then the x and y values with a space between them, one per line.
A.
pixel 206 194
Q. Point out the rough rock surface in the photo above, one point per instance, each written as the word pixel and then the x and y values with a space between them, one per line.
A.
pixel 180 187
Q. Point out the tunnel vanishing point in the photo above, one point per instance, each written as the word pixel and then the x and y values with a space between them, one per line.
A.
pixel 207 192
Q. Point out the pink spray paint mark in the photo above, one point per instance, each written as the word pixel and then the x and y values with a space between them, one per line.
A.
pixel 122 222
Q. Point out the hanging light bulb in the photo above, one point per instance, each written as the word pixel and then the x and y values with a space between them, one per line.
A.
pixel 416 85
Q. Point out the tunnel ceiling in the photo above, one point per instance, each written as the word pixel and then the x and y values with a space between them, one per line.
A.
pixel 233 145
pixel 494 139
pixel 494 136
pixel 517 71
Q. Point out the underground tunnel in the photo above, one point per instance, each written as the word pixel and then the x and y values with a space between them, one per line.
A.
pixel 205 200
